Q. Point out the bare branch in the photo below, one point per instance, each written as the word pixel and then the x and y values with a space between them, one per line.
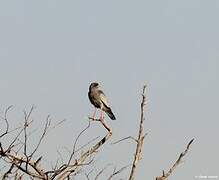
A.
pixel 26 118
pixel 64 171
pixel 129 137
pixel 6 121
pixel 117 172
pixel 74 146
pixel 83 146
pixel 178 161
pixel 88 174
pixel 8 172
pixel 48 121
pixel 101 172
pixel 140 141
pixel 103 123
pixel 18 160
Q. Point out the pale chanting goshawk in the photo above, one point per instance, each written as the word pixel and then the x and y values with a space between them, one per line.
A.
pixel 99 100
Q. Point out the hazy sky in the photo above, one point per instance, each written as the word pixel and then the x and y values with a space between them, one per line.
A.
pixel 51 50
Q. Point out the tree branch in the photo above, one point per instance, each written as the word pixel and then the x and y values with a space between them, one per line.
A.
pixel 64 172
pixel 140 140
pixel 5 118
pixel 178 161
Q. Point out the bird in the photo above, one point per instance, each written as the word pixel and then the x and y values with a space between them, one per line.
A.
pixel 99 100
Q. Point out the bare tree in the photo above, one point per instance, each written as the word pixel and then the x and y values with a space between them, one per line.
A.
pixel 19 161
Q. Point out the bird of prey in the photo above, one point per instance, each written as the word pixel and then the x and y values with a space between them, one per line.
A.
pixel 99 100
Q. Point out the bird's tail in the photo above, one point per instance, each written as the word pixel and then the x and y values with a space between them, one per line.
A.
pixel 110 114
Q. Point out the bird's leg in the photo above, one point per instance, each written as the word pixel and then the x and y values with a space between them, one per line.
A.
pixel 94 113
pixel 101 115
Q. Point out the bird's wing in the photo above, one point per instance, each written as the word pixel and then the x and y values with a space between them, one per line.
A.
pixel 103 99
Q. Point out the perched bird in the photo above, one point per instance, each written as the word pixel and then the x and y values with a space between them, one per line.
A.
pixel 99 100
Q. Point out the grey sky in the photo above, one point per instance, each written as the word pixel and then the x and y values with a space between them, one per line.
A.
pixel 51 50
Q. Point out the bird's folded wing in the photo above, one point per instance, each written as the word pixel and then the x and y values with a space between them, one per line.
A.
pixel 103 98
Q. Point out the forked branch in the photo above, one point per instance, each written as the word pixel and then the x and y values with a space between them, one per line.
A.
pixel 72 167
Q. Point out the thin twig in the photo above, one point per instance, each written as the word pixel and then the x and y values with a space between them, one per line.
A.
pixel 74 146
pixel 6 121
pixel 8 172
pixel 117 172
pixel 26 118
pixel 48 121
pixel 101 171
pixel 129 137
pixel 89 142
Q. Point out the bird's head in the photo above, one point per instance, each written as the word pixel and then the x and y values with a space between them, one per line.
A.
pixel 94 85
